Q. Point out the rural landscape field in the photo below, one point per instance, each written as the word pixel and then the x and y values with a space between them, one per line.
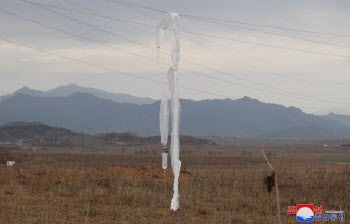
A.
pixel 218 184
pixel 186 111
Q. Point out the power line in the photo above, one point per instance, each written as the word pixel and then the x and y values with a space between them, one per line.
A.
pixel 92 14
pixel 197 73
pixel 80 61
pixel 218 79
pixel 81 37
pixel 218 56
pixel 266 32
pixel 141 12
pixel 211 41
pixel 200 34
pixel 154 18
pixel 262 60
pixel 138 5
pixel 255 67
pixel 99 14
pixel 230 60
pixel 118 49
pixel 79 5
pixel 212 20
pixel 272 27
pixel 267 45
pixel 315 99
pixel 106 68
pixel 244 28
pixel 211 68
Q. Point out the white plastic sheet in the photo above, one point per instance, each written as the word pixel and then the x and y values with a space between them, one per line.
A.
pixel 164 118
pixel 163 25
pixel 172 20
pixel 164 160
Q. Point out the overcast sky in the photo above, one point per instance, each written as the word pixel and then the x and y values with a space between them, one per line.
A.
pixel 312 75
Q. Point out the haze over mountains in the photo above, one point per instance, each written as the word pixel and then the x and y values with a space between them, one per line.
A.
pixel 88 113
pixel 68 90
pixel 344 111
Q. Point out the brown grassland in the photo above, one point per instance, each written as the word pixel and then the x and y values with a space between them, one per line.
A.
pixel 218 184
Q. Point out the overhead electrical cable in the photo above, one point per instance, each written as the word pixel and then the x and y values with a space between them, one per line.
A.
pixel 270 33
pixel 118 49
pixel 202 34
pixel 147 31
pixel 272 27
pixel 260 59
pixel 201 74
pixel 79 5
pixel 320 100
pixel 198 36
pixel 268 45
pixel 231 21
pixel 139 6
pixel 266 61
pixel 229 59
pixel 212 20
pixel 107 68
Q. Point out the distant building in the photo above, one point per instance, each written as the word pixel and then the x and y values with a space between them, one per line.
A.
pixel 10 163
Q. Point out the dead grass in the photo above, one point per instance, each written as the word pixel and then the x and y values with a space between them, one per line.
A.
pixel 128 188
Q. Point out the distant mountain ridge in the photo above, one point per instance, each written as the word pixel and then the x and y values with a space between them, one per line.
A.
pixel 246 117
pixel 65 91
pixel 344 119
pixel 39 131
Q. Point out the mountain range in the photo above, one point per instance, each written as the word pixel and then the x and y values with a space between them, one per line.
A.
pixel 246 117
pixel 65 91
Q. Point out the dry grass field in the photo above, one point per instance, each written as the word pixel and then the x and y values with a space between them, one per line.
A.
pixel 218 184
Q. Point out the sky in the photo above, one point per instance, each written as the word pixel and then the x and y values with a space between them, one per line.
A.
pixel 275 75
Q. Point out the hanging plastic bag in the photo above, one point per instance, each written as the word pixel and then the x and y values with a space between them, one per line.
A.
pixel 172 19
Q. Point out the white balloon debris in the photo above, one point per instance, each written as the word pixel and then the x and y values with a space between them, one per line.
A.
pixel 172 20
pixel 164 118
pixel 164 127
pixel 164 160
